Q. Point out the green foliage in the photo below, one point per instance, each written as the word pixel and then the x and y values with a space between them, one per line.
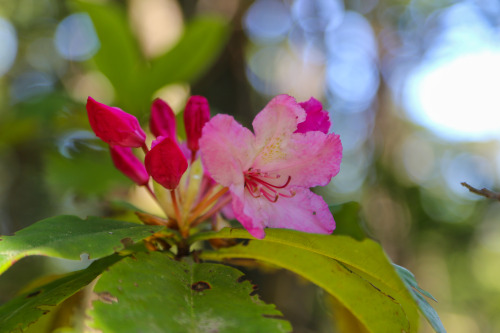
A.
pixel 418 294
pixel 201 42
pixel 85 172
pixel 356 273
pixel 135 78
pixel 119 57
pixel 153 293
pixel 69 237
pixel 18 313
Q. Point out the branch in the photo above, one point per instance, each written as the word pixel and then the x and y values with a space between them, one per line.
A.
pixel 483 192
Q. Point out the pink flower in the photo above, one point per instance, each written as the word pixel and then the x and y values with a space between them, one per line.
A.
pixel 114 126
pixel 165 162
pixel 196 114
pixel 125 161
pixel 269 173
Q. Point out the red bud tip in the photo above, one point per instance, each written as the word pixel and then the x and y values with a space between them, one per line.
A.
pixel 196 114
pixel 166 163
pixel 114 126
pixel 162 121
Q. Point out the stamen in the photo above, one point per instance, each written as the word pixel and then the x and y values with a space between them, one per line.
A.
pixel 258 187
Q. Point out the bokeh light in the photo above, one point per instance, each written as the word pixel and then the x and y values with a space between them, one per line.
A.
pixel 454 90
pixel 76 38
pixel 8 45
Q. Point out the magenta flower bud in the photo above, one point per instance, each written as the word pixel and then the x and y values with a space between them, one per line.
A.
pixel 125 161
pixel 196 114
pixel 114 125
pixel 162 121
pixel 166 163
pixel 317 119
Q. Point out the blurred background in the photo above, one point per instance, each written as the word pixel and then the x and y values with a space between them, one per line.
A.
pixel 411 86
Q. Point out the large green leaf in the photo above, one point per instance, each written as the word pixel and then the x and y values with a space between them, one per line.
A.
pixel 418 294
pixel 119 56
pixel 69 237
pixel 201 43
pixel 18 313
pixel 356 273
pixel 153 293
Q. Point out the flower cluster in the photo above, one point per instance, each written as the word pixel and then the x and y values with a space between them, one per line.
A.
pixel 265 175
pixel 185 194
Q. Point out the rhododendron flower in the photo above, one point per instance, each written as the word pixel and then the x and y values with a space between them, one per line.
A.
pixel 114 126
pixel 269 173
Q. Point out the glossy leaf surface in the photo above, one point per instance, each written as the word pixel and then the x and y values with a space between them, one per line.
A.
pixel 70 237
pixel 153 293
pixel 356 273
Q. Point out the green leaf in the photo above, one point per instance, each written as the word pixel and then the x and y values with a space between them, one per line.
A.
pixel 18 313
pixel 86 172
pixel 201 43
pixel 418 294
pixel 344 320
pixel 69 237
pixel 356 273
pixel 119 56
pixel 153 293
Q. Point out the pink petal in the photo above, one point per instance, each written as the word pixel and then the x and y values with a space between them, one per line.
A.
pixel 310 159
pixel 275 123
pixel 196 114
pixel 166 163
pixel 227 149
pixel 125 161
pixel 162 121
pixel 305 211
pixel 317 119
pixel 114 126
pixel 244 214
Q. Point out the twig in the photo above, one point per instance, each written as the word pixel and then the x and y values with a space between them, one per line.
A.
pixel 483 192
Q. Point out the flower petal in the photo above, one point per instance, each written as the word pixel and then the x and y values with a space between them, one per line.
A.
pixel 317 119
pixel 196 114
pixel 274 125
pixel 227 149
pixel 166 163
pixel 162 121
pixel 114 126
pixel 305 211
pixel 125 161
pixel 310 159
pixel 244 214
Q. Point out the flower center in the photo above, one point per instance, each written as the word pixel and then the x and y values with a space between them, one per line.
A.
pixel 260 183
